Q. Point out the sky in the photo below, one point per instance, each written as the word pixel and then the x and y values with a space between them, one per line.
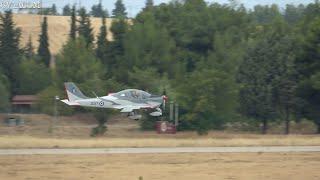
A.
pixel 134 6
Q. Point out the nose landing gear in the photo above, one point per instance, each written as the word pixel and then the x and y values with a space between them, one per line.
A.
pixel 134 116
pixel 158 112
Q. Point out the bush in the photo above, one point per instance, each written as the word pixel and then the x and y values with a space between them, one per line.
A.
pixel 4 93
pixel 101 116
pixel 148 122
pixel 98 131
pixel 46 102
pixel 33 77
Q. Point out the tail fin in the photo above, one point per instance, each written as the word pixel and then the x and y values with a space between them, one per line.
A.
pixel 73 92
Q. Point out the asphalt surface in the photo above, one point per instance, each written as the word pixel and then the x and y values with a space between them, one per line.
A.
pixel 161 150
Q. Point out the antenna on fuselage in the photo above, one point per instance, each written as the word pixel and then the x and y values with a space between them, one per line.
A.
pixel 95 94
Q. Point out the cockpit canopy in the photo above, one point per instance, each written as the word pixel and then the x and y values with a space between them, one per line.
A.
pixel 133 93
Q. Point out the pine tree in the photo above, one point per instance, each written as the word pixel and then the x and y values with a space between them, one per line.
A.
pixel 10 53
pixel 256 97
pixel 286 87
pixel 102 40
pixel 45 11
pixel 97 11
pixel 120 10
pixel 73 26
pixel 293 14
pixel 85 29
pixel 29 49
pixel 115 49
pixel 149 5
pixel 43 50
pixel 66 11
pixel 286 79
pixel 53 10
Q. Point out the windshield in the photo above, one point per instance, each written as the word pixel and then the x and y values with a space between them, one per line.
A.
pixel 134 93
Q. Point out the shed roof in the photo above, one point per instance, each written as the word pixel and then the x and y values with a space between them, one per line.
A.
pixel 24 99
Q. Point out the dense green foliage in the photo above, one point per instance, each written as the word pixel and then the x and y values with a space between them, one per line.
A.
pixel 76 63
pixel 33 77
pixel 309 71
pixel 222 63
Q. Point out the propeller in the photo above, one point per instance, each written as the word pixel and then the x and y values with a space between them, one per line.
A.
pixel 164 98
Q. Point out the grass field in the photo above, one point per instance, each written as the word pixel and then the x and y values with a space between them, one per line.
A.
pixel 183 166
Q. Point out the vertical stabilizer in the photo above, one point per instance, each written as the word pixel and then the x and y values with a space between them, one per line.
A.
pixel 73 92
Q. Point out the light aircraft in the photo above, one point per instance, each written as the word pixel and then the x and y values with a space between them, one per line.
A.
pixel 128 101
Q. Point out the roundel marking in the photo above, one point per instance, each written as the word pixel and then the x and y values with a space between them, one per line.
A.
pixel 101 103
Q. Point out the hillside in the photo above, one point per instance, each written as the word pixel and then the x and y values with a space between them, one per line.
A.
pixel 58 27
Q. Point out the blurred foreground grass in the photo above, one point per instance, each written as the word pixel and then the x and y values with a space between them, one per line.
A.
pixel 235 140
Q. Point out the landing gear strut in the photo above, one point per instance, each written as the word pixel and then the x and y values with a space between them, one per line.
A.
pixel 134 116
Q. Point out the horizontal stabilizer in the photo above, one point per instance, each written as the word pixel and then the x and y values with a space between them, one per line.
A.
pixel 127 109
pixel 70 103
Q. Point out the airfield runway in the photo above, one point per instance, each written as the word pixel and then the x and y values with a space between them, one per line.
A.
pixel 270 149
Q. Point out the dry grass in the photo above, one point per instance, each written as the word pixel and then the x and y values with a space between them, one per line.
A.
pixel 58 29
pixel 74 131
pixel 34 142
pixel 182 166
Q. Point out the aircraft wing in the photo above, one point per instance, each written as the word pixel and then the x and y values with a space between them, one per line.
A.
pixel 129 108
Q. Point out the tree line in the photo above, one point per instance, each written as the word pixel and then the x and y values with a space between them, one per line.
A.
pixel 96 10
pixel 223 64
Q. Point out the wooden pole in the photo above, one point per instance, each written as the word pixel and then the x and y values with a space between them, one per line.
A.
pixel 171 111
pixel 176 115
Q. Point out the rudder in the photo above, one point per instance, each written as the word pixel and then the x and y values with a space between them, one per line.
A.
pixel 73 92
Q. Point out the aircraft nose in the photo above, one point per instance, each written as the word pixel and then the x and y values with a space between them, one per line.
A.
pixel 165 98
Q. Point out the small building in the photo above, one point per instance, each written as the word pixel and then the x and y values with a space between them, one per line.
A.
pixel 23 103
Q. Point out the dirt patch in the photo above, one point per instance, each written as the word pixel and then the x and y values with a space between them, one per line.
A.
pixel 186 166
pixel 38 125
